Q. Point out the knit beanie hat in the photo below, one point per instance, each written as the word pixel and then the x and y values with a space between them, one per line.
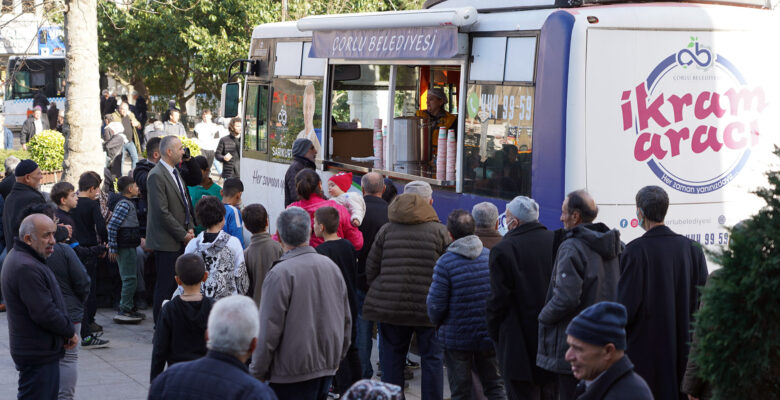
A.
pixel 367 389
pixel 25 167
pixel 343 180
pixel 301 146
pixel 600 324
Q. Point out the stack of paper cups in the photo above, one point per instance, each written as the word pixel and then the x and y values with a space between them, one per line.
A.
pixel 384 146
pixel 377 141
pixel 441 155
pixel 451 155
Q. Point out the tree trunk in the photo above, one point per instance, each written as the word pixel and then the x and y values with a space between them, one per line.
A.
pixel 83 147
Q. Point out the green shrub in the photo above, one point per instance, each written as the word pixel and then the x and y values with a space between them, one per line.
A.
pixel 738 325
pixel 190 144
pixel 20 154
pixel 48 150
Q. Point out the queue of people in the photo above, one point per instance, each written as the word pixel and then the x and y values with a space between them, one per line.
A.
pixel 534 314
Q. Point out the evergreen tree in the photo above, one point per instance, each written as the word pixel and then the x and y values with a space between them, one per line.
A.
pixel 738 326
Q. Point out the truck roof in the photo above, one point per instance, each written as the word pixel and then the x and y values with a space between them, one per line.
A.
pixel 500 5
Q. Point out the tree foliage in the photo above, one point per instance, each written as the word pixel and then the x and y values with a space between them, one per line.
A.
pixel 739 324
pixel 169 46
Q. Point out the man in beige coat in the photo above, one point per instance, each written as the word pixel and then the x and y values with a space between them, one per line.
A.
pixel 306 324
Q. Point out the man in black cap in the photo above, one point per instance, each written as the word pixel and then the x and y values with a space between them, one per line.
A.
pixel 597 344
pixel 25 192
pixel 303 157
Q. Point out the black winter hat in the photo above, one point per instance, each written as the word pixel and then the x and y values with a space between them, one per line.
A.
pixel 600 324
pixel 25 167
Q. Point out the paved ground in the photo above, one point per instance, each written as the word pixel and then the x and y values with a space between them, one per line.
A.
pixel 120 371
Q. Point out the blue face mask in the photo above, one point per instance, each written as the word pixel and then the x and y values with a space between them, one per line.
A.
pixel 641 219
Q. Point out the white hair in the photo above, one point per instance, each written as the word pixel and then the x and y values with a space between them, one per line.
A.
pixel 485 214
pixel 524 209
pixel 420 188
pixel 233 323
pixel 167 143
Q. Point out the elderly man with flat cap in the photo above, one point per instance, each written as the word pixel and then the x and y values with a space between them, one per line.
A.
pixel 304 153
pixel 597 345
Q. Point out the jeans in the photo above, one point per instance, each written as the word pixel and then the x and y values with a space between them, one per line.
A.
pixel 218 167
pixel 129 147
pixel 364 343
pixel 164 262
pixel 39 381
pixel 314 389
pixel 484 363
pixel 69 371
pixel 128 272
pixel 394 346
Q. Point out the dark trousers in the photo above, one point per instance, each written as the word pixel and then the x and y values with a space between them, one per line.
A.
pixel 90 307
pixel 164 262
pixel 524 390
pixel 315 389
pixel 364 342
pixel 349 371
pixel 394 346
pixel 566 386
pixel 484 363
pixel 39 381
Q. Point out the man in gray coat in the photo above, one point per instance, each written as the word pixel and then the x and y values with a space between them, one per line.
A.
pixel 170 221
pixel 586 272
pixel 306 328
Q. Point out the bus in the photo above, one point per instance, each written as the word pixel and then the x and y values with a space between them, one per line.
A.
pixel 27 76
pixel 548 96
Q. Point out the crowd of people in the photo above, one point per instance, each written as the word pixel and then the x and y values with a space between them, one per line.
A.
pixel 572 313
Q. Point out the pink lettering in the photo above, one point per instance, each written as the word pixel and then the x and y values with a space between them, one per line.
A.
pixel 652 111
pixel 642 152
pixel 626 108
pixel 704 138
pixel 675 137
pixel 728 136
pixel 678 103
pixel 702 112
pixel 747 96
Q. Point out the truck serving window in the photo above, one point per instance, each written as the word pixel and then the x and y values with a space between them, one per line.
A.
pixel 499 117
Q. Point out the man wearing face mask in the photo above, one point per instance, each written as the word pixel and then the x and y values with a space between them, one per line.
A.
pixel 520 268
pixel 660 273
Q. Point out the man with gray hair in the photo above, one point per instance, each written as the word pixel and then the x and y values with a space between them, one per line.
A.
pixel 486 218
pixel 399 272
pixel 305 302
pixel 222 373
pixel 520 267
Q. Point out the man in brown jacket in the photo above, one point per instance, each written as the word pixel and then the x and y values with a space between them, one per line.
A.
pixel 306 324
pixel 399 271
pixel 262 252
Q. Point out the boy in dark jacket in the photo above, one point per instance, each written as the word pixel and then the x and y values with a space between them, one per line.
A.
pixel 182 323
pixel 457 300
pixel 341 251
pixel 124 235
pixel 89 229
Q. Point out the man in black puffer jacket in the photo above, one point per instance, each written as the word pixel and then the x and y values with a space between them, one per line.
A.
pixel 229 150
pixel 303 157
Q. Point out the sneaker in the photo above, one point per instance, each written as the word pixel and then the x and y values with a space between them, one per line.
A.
pixel 92 342
pixel 134 312
pixel 95 327
pixel 411 364
pixel 126 317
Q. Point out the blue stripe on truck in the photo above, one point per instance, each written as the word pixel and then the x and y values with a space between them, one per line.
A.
pixel 549 132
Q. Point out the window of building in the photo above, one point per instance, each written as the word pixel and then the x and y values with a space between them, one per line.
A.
pixel 28 6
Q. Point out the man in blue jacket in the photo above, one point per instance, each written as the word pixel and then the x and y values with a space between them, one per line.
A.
pixel 456 304
pixel 222 373
pixel 38 324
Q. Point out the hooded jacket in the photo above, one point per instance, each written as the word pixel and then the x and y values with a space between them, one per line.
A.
pixel 306 325
pixel 458 296
pixel 586 272
pixel 224 259
pixel 179 333
pixel 399 268
pixel 298 164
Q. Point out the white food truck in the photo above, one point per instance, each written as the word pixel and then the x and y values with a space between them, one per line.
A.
pixel 27 76
pixel 545 98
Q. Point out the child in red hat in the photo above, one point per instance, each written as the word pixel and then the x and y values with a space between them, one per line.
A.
pixel 338 189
